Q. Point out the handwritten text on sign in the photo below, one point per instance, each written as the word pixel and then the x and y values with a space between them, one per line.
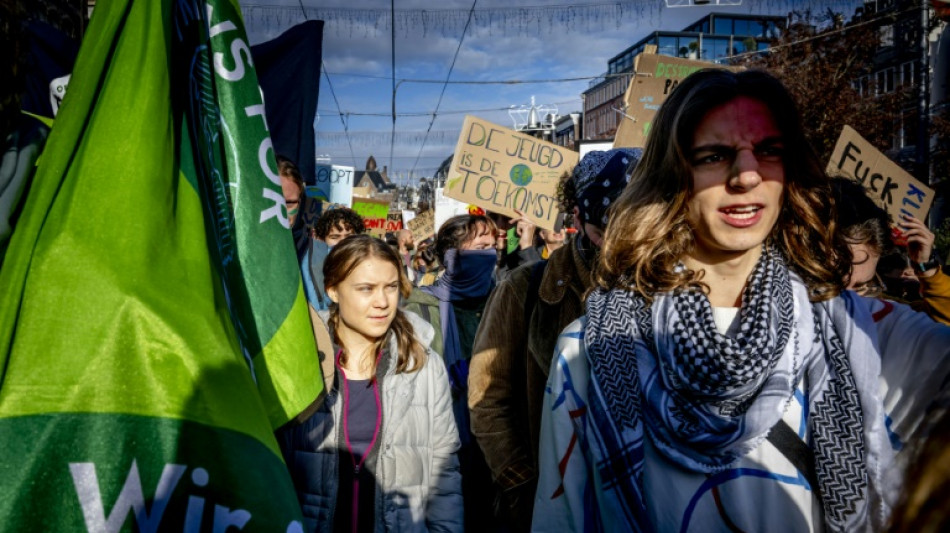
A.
pixel 502 171
pixel 374 213
pixel 422 225
pixel 886 183
pixel 656 77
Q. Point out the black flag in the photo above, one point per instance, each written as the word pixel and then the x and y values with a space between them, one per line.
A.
pixel 288 70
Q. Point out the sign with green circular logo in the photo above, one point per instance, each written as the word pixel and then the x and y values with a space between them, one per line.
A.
pixel 521 175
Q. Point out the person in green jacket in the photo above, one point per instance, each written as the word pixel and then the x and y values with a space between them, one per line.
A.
pixel 465 246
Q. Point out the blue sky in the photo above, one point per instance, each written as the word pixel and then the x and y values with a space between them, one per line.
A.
pixel 357 54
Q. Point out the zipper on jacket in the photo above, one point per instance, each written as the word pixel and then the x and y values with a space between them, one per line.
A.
pixel 357 465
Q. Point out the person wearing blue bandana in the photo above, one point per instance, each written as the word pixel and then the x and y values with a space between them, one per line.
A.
pixel 465 246
pixel 522 321
pixel 722 378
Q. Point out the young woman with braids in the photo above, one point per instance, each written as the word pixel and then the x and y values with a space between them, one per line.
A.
pixel 380 454
pixel 722 378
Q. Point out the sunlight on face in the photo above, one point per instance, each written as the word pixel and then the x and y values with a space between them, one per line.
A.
pixel 483 239
pixel 738 180
pixel 367 300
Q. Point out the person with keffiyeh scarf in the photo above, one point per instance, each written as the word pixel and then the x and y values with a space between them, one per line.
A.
pixel 523 318
pixel 722 378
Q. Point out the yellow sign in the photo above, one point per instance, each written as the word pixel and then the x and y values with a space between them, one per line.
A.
pixel 502 170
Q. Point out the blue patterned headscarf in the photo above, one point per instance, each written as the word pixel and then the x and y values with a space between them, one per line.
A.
pixel 599 179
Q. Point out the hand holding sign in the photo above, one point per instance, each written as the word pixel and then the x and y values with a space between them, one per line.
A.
pixel 920 240
pixel 524 229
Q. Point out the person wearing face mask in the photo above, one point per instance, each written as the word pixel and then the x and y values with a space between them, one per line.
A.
pixel 515 341
pixel 465 246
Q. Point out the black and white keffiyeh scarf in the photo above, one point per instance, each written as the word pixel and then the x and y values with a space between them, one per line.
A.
pixel 705 399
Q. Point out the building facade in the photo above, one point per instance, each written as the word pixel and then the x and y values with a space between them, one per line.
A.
pixel 568 130
pixel 715 37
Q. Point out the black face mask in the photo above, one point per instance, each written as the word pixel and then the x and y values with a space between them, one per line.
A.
pixel 586 248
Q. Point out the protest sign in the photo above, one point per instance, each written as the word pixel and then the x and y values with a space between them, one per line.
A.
pixel 502 170
pixel 313 207
pixel 886 183
pixel 362 192
pixel 446 208
pixel 422 225
pixel 374 213
pixel 393 222
pixel 407 215
pixel 656 77
pixel 334 184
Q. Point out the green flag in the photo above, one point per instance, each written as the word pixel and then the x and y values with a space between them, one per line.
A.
pixel 153 328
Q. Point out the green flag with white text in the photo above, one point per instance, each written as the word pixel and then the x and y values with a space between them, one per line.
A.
pixel 153 327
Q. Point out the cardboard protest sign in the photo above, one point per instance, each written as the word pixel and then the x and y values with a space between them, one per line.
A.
pixel 374 213
pixel 362 192
pixel 422 225
pixel 886 183
pixel 446 208
pixel 502 170
pixel 334 184
pixel 656 77
pixel 393 222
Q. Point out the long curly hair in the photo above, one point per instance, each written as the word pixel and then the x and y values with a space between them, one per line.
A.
pixel 648 232
pixel 340 263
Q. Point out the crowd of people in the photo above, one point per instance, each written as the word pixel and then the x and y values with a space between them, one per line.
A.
pixel 726 339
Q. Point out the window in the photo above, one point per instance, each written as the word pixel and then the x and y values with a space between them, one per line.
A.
pixel 889 80
pixel 667 46
pixel 743 27
pixel 718 48
pixel 887 35
pixel 689 47
pixel 907 73
pixel 722 26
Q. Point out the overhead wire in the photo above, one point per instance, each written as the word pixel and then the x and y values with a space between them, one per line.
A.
pixel 550 80
pixel 444 85
pixel 392 8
